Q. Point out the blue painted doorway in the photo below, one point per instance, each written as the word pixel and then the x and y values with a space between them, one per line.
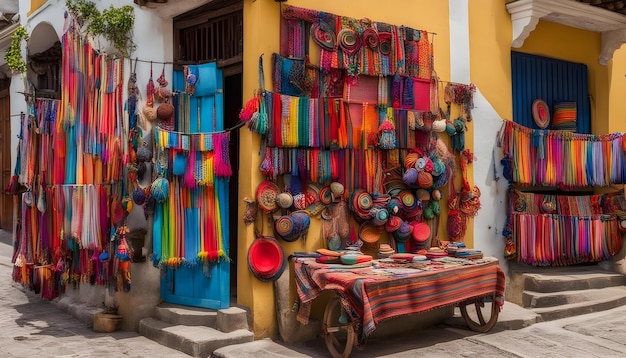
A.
pixel 204 285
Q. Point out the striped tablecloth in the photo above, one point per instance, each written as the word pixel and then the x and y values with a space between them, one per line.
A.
pixel 374 294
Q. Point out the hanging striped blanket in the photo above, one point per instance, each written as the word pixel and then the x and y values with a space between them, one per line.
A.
pixel 371 295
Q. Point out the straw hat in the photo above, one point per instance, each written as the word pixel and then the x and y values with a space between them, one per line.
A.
pixel 266 194
pixel 337 189
pixel 284 200
pixel 266 259
pixel 541 114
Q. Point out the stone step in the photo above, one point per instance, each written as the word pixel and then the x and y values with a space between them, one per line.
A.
pixel 189 316
pixel 533 299
pixel 197 341
pixel 225 320
pixel 571 280
pixel 611 300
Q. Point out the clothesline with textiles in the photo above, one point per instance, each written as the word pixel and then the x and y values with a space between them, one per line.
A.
pixel 546 229
pixel 561 158
pixel 360 46
pixel 71 160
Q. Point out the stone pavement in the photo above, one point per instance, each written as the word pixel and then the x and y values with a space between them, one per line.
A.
pixel 33 327
pixel 600 334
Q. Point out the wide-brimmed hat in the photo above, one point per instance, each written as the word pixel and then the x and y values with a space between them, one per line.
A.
pixel 293 226
pixel 326 195
pixel 361 203
pixel 337 189
pixel 266 194
pixel 541 113
pixel 266 259
pixel 409 201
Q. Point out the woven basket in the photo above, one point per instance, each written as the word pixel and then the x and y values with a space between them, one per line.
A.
pixel 106 322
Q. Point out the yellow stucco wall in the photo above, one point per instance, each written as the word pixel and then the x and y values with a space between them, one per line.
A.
pixel 490 55
pixel 261 34
pixel 617 91
pixel 35 4
pixel 490 47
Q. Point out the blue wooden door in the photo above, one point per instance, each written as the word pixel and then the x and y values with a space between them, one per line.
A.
pixel 205 284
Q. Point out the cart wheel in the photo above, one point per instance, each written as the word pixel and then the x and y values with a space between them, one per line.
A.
pixel 340 337
pixel 474 316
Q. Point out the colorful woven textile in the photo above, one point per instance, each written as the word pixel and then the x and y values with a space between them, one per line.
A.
pixel 372 296
pixel 564 116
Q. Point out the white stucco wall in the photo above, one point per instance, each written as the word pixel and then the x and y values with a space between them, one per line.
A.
pixel 489 222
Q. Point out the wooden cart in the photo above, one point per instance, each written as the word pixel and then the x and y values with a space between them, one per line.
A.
pixel 365 296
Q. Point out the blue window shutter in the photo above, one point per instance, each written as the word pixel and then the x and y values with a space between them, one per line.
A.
pixel 553 81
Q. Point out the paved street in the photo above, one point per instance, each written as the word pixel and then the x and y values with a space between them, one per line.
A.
pixel 601 334
pixel 32 327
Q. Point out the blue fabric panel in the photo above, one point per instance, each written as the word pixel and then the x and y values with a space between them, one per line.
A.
pixel 553 81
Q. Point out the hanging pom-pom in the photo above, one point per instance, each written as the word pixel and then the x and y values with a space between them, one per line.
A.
pixel 251 107
pixel 388 136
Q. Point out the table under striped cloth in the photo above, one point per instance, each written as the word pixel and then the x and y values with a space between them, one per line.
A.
pixel 373 294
